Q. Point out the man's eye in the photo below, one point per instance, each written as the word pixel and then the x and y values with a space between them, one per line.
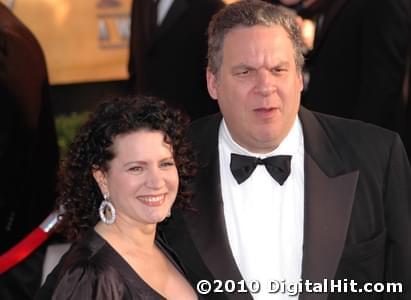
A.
pixel 242 72
pixel 279 70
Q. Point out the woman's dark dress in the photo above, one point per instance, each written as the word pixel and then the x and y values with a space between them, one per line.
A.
pixel 92 269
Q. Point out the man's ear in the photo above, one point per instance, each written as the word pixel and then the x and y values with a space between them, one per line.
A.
pixel 301 82
pixel 212 84
pixel 100 178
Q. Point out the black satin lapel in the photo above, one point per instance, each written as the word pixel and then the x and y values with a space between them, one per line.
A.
pixel 328 204
pixel 207 227
pixel 176 10
pixel 319 145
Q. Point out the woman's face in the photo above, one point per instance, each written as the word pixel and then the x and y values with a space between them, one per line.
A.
pixel 142 179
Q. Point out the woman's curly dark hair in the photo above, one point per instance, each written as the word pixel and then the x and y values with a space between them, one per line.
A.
pixel 79 194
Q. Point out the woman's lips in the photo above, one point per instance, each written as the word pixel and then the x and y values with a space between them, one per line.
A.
pixel 152 200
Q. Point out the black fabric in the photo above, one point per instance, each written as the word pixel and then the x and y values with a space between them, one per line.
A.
pixel 92 269
pixel 29 153
pixel 150 19
pixel 243 166
pixel 358 63
pixel 23 280
pixel 171 63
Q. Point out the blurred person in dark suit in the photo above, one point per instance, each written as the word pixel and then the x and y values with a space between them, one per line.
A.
pixel 28 150
pixel 358 64
pixel 168 50
pixel 407 95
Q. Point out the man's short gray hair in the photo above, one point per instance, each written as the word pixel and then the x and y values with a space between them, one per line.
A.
pixel 250 13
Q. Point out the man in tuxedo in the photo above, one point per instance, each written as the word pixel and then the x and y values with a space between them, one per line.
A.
pixel 283 193
pixel 168 49
pixel 28 150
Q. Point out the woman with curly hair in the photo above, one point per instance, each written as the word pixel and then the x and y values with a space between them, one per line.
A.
pixel 127 166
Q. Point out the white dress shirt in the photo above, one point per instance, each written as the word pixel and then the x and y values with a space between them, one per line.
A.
pixel 162 10
pixel 265 220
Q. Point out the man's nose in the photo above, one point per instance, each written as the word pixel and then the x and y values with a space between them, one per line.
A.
pixel 265 82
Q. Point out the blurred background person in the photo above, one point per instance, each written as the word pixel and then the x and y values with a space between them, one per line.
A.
pixel 358 64
pixel 168 49
pixel 28 150
pixel 407 93
pixel 125 169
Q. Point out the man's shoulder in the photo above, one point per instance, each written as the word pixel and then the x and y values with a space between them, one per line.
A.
pixel 357 141
pixel 10 25
pixel 350 144
pixel 354 130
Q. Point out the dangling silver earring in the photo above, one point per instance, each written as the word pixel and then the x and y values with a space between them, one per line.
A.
pixel 106 205
pixel 168 214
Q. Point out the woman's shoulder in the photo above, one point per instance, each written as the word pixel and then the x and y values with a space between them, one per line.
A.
pixel 85 272
pixel 88 252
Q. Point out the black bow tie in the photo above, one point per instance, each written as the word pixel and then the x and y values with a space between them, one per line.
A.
pixel 243 166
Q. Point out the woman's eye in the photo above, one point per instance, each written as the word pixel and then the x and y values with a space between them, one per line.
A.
pixel 135 169
pixel 167 164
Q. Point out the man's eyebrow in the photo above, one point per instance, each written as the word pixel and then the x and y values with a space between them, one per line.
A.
pixel 282 64
pixel 242 67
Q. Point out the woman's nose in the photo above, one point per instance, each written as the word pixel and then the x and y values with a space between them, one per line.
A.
pixel 154 179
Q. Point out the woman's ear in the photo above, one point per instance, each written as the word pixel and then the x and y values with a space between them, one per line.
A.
pixel 101 179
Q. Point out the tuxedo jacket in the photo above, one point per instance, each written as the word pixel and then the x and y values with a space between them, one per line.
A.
pixel 171 62
pixel 358 64
pixel 357 208
pixel 28 144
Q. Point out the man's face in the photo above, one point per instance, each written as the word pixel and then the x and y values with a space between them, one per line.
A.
pixel 257 86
